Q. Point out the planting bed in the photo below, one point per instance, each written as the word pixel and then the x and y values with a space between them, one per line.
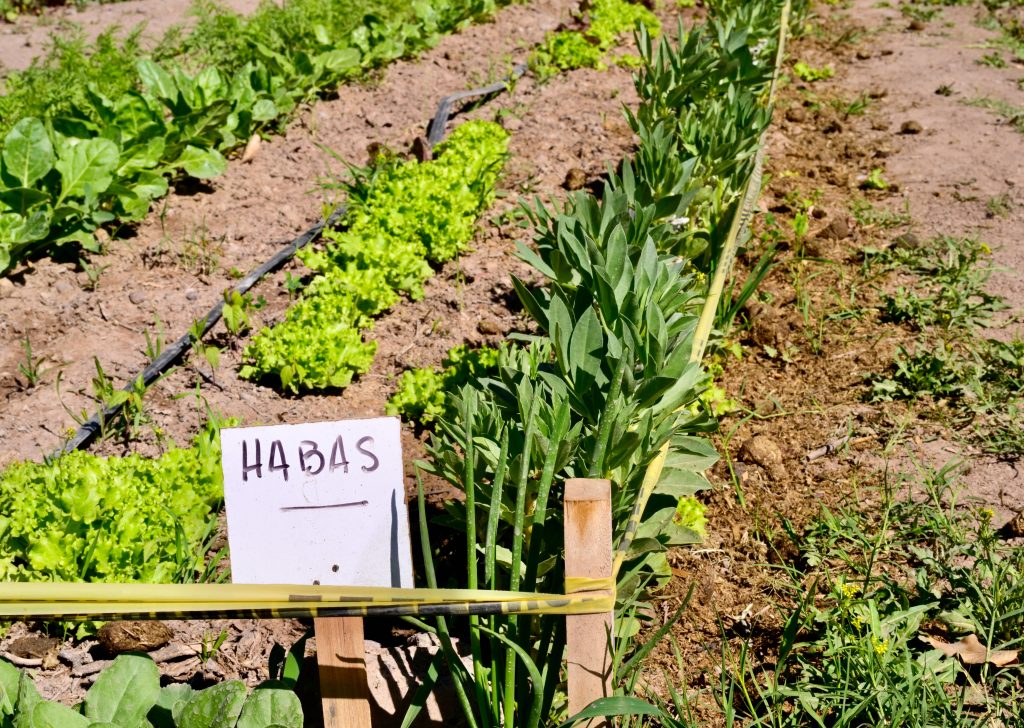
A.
pixel 864 166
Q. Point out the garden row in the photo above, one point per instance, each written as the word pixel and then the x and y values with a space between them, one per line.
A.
pixel 609 379
pixel 92 136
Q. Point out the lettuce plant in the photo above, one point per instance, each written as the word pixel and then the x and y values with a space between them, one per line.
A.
pixel 84 517
pixel 403 217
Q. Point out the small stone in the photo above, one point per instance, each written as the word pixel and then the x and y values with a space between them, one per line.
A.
pixel 575 179
pixel 136 297
pixel 796 114
pixel 512 124
pixel 818 213
pixel 129 636
pixel 863 54
pixel 63 287
pixel 877 92
pixel 191 295
pixel 489 327
pixel 907 241
pixel 880 125
pixel 917 25
pixel 911 127
pixel 886 52
pixel 6 287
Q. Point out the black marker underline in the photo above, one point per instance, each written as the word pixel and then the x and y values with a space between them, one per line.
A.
pixel 329 505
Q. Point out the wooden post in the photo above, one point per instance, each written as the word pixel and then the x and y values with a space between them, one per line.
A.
pixel 341 658
pixel 588 553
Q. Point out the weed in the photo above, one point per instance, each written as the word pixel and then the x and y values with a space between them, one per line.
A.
pixel 866 214
pixel 208 352
pixel 155 342
pixel 873 584
pixel 998 205
pixel 1011 114
pixel 875 180
pixel 809 74
pixel 293 284
pixel 950 292
pixel 92 274
pixel 994 60
pixel 31 367
pixel 944 90
pixel 236 312
pixel 200 253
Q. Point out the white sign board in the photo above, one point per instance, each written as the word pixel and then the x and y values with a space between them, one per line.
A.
pixel 318 503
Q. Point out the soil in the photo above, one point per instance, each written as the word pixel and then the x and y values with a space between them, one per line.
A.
pixel 29 36
pixel 802 436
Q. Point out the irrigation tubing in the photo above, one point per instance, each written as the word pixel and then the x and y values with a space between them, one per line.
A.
pixel 91 428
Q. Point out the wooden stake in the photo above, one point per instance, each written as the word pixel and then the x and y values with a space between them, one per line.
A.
pixel 341 657
pixel 588 553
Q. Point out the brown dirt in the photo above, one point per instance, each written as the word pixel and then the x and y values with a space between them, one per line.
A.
pixel 29 36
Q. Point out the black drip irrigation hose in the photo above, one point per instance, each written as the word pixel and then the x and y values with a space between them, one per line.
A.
pixel 91 428
pixel 435 130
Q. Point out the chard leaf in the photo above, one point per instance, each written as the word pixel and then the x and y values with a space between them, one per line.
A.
pixel 28 153
pixel 201 163
pixel 87 166
pixel 125 692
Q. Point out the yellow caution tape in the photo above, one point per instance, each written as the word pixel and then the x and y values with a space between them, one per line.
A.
pixel 61 601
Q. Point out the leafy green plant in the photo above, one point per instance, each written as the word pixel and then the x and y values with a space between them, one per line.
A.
pixel 128 694
pixel 236 312
pixel 810 74
pixel 875 180
pixel 403 216
pixel 609 21
pixel 421 394
pixel 83 517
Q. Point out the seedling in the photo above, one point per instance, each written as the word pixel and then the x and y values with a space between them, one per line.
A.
pixel 92 274
pixel 875 181
pixel 236 312
pixel 32 366
pixel 208 352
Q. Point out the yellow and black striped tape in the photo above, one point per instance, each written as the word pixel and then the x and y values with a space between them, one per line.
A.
pixel 61 601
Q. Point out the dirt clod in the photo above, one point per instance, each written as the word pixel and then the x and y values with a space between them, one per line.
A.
pixel 575 179
pixel 837 229
pixel 421 150
pixel 128 636
pixel 911 127
pixel 797 114
pixel 33 646
pixel 489 327
pixel 764 451
pixel 1015 527
pixel 907 241
pixel 917 25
